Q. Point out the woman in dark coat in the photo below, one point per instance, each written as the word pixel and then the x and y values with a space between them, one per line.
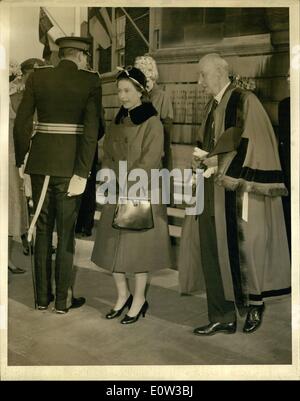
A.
pixel 135 136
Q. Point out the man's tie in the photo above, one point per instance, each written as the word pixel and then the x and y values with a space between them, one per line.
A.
pixel 209 133
pixel 208 145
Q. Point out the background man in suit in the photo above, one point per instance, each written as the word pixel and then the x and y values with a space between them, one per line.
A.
pixel 68 103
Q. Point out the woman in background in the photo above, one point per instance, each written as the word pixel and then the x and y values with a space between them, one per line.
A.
pixel 17 213
pixel 161 101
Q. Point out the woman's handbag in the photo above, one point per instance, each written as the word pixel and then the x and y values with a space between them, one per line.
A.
pixel 133 214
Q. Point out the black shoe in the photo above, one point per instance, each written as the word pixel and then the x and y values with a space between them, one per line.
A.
pixel 213 328
pixel 41 307
pixel 116 313
pixel 128 319
pixel 16 270
pixel 254 318
pixel 45 307
pixel 76 303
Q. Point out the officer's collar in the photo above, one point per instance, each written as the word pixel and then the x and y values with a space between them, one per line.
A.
pixel 138 115
pixel 219 96
pixel 66 63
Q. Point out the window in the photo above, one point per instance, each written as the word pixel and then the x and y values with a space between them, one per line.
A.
pixel 184 27
pixel 120 39
pixel 120 28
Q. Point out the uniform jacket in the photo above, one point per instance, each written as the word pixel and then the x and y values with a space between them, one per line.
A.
pixel 62 94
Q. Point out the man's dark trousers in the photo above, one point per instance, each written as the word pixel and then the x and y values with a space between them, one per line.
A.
pixel 60 209
pixel 219 309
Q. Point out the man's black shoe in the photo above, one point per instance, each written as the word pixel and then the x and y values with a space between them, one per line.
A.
pixel 213 328
pixel 254 318
pixel 76 303
pixel 42 307
pixel 45 307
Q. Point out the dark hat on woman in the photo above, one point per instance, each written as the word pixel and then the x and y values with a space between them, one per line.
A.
pixel 31 63
pixel 133 74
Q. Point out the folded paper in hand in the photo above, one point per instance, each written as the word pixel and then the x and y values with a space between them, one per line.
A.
pixel 199 153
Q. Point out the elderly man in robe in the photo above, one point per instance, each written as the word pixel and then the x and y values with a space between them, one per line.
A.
pixel 243 242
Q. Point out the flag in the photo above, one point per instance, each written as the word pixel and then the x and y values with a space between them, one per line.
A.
pixel 105 20
pixel 53 34
pixel 100 28
pixel 45 25
pixel 48 33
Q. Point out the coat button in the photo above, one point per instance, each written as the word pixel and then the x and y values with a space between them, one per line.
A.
pixel 126 140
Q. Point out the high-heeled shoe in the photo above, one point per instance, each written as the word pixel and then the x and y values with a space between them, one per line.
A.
pixel 132 319
pixel 116 313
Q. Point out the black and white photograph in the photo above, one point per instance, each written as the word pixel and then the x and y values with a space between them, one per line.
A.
pixel 149 189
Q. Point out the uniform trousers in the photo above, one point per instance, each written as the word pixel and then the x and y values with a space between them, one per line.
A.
pixel 86 214
pixel 63 210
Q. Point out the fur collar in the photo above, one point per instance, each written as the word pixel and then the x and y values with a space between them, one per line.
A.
pixel 138 115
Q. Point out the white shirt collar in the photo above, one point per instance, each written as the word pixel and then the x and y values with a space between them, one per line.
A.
pixel 219 96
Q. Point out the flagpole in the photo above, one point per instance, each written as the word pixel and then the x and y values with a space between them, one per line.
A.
pixel 55 22
pixel 114 40
pixel 77 21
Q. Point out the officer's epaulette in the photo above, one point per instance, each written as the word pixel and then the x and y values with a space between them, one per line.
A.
pixel 38 67
pixel 92 71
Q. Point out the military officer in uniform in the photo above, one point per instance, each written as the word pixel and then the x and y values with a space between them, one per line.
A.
pixel 67 99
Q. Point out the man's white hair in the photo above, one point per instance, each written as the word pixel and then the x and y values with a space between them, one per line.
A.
pixel 215 60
